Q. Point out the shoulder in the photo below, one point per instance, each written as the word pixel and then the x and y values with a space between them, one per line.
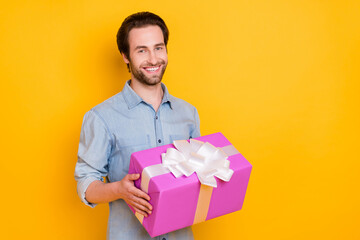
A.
pixel 107 108
pixel 179 104
pixel 115 102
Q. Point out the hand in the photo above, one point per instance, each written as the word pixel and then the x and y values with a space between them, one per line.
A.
pixel 133 196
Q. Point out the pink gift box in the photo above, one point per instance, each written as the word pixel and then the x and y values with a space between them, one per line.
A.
pixel 175 200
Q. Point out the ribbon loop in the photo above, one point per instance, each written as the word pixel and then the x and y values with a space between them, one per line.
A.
pixel 205 159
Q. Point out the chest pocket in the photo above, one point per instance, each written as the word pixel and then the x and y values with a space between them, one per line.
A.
pixel 129 145
pixel 175 137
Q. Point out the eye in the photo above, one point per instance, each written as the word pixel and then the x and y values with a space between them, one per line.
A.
pixel 141 51
pixel 158 48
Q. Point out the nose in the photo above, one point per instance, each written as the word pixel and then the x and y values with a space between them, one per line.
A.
pixel 152 59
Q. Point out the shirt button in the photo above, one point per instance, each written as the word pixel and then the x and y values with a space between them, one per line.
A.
pixel 164 239
pixel 156 117
pixel 159 141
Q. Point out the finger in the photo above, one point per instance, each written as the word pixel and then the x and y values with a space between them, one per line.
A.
pixel 141 206
pixel 140 209
pixel 133 177
pixel 141 194
pixel 142 202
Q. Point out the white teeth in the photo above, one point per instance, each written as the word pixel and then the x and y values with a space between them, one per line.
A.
pixel 152 69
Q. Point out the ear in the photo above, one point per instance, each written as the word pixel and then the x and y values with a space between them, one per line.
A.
pixel 126 60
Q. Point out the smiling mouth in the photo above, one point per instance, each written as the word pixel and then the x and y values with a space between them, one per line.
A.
pixel 152 69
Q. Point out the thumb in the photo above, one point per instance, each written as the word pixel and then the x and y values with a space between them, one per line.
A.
pixel 134 176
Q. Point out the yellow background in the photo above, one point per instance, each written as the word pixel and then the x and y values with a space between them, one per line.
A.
pixel 280 79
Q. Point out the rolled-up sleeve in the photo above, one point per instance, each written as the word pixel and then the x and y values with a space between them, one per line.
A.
pixel 93 154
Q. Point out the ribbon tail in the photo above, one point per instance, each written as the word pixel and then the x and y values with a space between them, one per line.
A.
pixel 209 181
pixel 225 175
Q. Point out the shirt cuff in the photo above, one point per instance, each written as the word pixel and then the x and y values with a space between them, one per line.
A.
pixel 82 187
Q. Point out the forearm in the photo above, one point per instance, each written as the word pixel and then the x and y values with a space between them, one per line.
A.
pixel 99 192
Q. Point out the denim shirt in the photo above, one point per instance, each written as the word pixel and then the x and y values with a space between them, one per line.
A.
pixel 116 128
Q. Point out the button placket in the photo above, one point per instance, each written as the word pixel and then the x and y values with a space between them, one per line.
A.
pixel 158 129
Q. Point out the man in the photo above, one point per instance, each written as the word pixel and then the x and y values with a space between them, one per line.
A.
pixel 143 115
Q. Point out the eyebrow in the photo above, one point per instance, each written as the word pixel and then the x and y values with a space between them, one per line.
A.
pixel 156 45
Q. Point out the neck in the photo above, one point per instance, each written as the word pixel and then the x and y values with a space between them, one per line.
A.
pixel 152 94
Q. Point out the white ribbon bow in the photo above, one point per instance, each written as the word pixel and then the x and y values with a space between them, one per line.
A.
pixel 205 159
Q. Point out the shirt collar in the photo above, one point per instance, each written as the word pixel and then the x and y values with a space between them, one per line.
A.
pixel 132 99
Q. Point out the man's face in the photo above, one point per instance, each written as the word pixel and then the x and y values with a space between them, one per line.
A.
pixel 147 54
